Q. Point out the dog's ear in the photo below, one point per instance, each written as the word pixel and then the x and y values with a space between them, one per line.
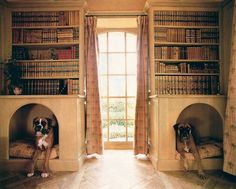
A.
pixel 176 127
pixel 49 122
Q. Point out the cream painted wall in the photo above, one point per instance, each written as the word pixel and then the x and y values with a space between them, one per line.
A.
pixel 117 22
pixel 116 5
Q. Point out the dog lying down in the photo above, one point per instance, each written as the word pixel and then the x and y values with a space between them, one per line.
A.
pixel 185 143
pixel 44 138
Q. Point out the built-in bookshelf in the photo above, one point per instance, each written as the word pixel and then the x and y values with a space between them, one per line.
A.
pixel 186 52
pixel 46 45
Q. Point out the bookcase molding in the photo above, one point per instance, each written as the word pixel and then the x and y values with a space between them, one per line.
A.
pixel 44 4
pixel 180 4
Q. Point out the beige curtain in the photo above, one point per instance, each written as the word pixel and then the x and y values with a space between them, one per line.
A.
pixel 142 87
pixel 93 114
pixel 230 116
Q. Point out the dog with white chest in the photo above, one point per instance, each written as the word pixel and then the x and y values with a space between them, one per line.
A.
pixel 44 138
pixel 185 143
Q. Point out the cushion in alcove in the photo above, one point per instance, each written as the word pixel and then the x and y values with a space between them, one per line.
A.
pixel 214 149
pixel 25 149
pixel 210 150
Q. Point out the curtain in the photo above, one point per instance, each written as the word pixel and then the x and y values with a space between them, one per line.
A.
pixel 93 113
pixel 230 116
pixel 140 146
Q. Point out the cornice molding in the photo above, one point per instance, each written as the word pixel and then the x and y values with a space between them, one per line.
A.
pixel 45 3
pixel 184 3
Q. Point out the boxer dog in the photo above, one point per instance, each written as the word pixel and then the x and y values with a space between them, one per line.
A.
pixel 185 143
pixel 44 138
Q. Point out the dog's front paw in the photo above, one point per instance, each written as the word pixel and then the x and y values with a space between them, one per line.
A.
pixel 44 175
pixel 30 174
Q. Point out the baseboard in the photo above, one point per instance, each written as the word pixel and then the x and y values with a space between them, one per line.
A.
pixel 154 161
pixel 207 164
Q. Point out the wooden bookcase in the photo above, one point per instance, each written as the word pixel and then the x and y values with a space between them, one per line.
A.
pixel 185 71
pixel 184 51
pixel 46 39
pixel 48 46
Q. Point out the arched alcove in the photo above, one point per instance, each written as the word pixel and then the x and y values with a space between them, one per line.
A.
pixel 21 123
pixel 16 119
pixel 204 118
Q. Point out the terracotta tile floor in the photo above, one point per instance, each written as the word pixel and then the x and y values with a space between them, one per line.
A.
pixel 118 170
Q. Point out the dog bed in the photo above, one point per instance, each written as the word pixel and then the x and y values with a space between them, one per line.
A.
pixel 25 149
pixel 206 149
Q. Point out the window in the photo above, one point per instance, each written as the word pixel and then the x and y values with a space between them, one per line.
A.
pixel 117 80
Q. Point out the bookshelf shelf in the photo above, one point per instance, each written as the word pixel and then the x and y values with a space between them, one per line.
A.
pixel 186 27
pixel 47 46
pixel 184 44
pixel 64 44
pixel 187 74
pixel 185 60
pixel 184 52
pixel 51 77
pixel 42 27
pixel 48 60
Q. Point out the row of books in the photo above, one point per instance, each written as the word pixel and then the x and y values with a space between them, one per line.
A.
pixel 50 87
pixel 68 35
pixel 49 69
pixel 72 53
pixel 189 53
pixel 73 86
pixel 183 67
pixel 193 85
pixel 186 18
pixel 45 35
pixel 210 35
pixel 42 87
pixel 23 53
pixel 45 18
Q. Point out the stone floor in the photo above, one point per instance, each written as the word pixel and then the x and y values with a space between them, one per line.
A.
pixel 118 169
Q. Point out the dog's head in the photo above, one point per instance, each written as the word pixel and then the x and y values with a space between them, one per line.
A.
pixel 183 131
pixel 41 125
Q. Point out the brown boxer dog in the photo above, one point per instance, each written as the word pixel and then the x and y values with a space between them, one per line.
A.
pixel 185 143
pixel 44 138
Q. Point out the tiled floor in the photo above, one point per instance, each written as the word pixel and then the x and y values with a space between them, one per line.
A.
pixel 119 170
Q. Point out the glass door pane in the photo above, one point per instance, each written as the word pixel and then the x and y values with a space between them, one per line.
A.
pixel 118 85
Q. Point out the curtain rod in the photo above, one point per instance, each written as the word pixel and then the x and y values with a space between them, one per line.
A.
pixel 115 14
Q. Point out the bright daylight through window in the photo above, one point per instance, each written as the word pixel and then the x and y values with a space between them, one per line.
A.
pixel 117 80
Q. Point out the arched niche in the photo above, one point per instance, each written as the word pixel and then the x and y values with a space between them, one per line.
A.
pixel 205 119
pixel 21 122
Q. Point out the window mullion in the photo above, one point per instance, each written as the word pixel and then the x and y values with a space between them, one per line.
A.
pixel 126 93
pixel 108 109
